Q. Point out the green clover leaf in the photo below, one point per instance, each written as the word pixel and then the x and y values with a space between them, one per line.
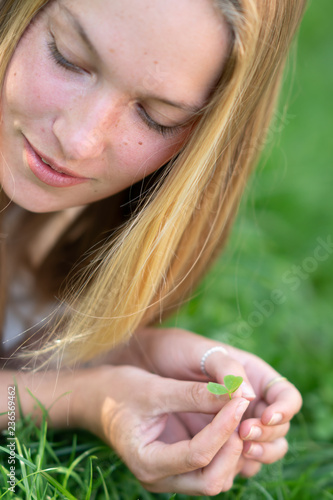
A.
pixel 217 388
pixel 231 385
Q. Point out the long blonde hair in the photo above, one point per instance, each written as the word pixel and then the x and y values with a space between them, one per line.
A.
pixel 155 258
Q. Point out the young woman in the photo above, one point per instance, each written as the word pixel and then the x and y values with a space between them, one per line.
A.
pixel 128 130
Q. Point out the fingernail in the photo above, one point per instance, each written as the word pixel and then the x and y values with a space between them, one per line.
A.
pixel 247 392
pixel 276 419
pixel 255 450
pixel 255 433
pixel 241 409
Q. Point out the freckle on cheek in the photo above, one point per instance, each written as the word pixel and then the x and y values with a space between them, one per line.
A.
pixel 140 143
pixel 125 143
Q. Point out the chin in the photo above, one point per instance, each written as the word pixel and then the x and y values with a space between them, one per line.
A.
pixel 35 204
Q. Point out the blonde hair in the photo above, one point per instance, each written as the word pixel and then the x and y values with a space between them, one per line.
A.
pixel 153 261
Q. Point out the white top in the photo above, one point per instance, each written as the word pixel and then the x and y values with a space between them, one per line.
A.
pixel 21 313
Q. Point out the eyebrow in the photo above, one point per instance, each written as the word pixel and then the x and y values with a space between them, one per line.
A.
pixel 85 38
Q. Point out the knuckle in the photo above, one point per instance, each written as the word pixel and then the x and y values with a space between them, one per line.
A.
pixel 145 477
pixel 228 484
pixel 282 450
pixel 237 448
pixel 194 394
pixel 212 489
pixel 219 485
pixel 251 470
pixel 142 469
pixel 198 460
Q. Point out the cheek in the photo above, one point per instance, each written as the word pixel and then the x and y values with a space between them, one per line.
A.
pixel 142 153
pixel 140 157
pixel 29 87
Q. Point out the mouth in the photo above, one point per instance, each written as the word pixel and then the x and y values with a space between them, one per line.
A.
pixel 55 166
pixel 49 171
pixel 56 169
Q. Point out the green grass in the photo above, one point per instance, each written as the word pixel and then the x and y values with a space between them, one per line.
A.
pixel 288 206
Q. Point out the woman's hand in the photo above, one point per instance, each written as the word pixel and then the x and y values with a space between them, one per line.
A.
pixel 177 354
pixel 137 413
pixel 267 420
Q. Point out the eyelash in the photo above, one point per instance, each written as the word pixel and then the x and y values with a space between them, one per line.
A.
pixel 161 129
pixel 59 59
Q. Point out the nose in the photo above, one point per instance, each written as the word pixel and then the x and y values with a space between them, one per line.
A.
pixel 83 127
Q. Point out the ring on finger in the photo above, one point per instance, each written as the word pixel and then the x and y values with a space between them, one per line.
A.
pixel 207 354
pixel 275 380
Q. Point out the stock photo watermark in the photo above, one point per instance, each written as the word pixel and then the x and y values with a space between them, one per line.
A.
pixel 292 279
pixel 11 444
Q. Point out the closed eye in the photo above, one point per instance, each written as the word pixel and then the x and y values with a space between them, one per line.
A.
pixel 161 129
pixel 59 59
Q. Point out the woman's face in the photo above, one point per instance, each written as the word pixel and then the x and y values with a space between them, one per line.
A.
pixel 102 90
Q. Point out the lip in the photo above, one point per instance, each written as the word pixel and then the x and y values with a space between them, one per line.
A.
pixel 56 177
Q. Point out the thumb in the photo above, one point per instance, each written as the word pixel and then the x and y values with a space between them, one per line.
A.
pixel 186 456
pixel 180 396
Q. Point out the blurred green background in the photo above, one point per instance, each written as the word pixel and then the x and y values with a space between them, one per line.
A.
pixel 284 217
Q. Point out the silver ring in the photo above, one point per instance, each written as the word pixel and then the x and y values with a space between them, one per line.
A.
pixel 208 353
pixel 275 380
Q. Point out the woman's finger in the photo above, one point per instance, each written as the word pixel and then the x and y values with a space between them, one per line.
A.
pixel 250 468
pixel 219 475
pixel 216 477
pixel 259 409
pixel 174 396
pixel 252 429
pixel 162 460
pixel 218 363
pixel 268 383
pixel 266 453
pixel 247 467
pixel 284 401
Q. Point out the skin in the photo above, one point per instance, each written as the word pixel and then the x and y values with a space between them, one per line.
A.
pixel 176 354
pixel 90 118
pixel 176 436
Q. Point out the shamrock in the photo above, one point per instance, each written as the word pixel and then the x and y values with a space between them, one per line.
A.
pixel 231 384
